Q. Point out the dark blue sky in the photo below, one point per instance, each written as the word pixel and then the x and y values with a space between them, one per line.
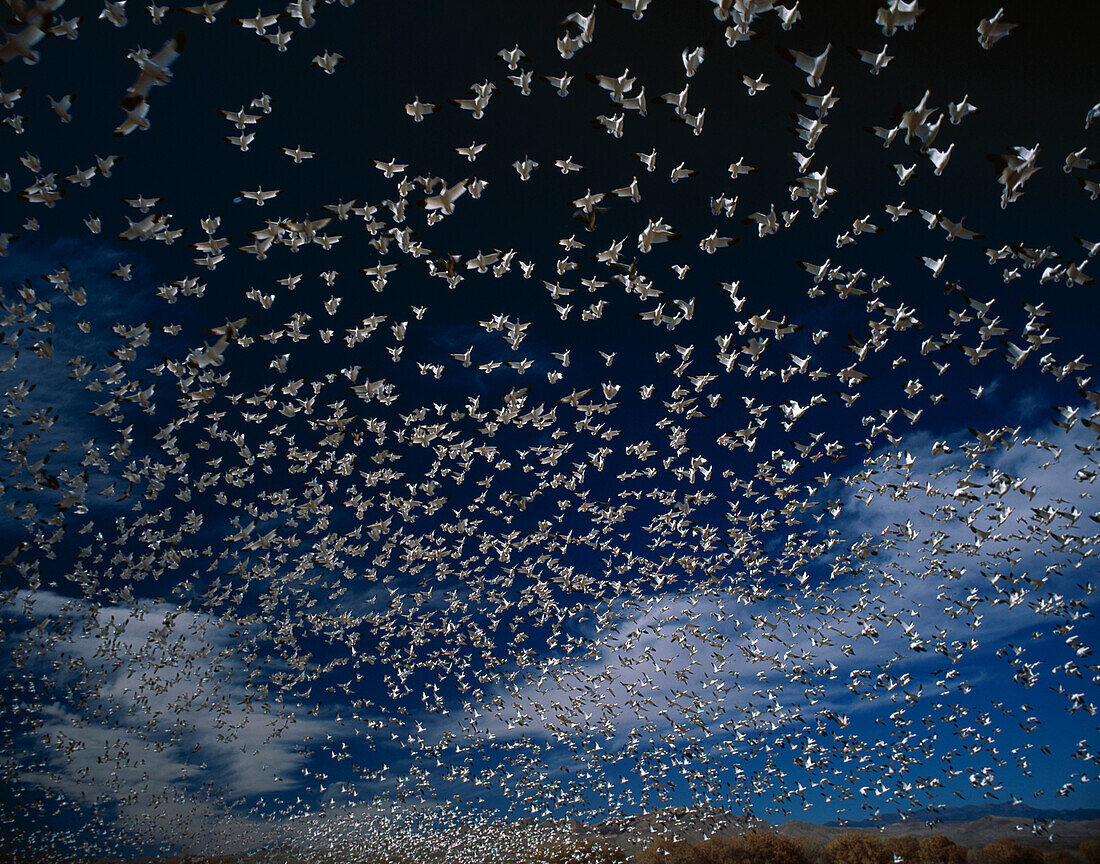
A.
pixel 275 544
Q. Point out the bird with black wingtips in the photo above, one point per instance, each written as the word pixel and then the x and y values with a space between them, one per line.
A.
pixel 814 67
pixel 35 22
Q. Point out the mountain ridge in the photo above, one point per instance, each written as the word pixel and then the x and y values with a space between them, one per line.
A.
pixel 972 812
pixel 1048 829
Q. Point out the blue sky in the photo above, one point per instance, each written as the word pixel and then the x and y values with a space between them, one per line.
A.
pixel 680 529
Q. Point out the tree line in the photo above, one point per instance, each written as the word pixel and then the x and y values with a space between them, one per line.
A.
pixel 854 847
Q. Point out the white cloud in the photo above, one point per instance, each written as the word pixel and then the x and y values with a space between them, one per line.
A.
pixel 152 711
pixel 911 622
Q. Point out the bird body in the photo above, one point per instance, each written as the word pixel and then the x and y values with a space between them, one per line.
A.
pixel 814 67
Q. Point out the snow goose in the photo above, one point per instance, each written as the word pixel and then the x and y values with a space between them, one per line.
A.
pixel 993 30
pixel 814 67
pixel 877 61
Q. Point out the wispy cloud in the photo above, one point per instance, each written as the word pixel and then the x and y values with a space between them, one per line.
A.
pixel 158 713
pixel 953 569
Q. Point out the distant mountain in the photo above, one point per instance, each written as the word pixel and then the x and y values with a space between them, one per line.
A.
pixel 973 833
pixel 972 812
pixel 972 826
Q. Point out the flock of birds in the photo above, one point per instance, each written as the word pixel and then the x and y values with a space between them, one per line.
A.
pixel 716 558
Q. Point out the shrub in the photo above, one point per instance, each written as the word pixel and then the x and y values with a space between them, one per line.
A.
pixel 939 850
pixel 768 848
pixel 1008 851
pixel 906 848
pixel 856 848
pixel 813 851
pixel 754 847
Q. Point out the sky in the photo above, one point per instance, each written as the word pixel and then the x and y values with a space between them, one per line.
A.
pixel 420 497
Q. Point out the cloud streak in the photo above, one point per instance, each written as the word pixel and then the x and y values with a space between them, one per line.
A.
pixel 154 711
